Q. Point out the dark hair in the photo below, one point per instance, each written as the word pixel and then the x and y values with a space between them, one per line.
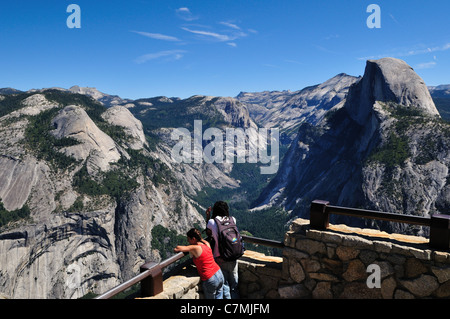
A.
pixel 194 233
pixel 220 209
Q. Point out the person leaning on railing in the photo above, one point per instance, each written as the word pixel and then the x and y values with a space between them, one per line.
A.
pixel 208 270
pixel 220 211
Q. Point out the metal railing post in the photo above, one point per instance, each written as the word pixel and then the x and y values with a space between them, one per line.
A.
pixel 440 231
pixel 153 284
pixel 319 217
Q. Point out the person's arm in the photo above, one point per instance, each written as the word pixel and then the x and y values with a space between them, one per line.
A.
pixel 194 250
pixel 208 214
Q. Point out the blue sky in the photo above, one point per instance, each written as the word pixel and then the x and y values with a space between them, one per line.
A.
pixel 150 48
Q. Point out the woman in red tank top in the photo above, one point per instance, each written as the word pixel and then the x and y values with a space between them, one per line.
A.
pixel 209 271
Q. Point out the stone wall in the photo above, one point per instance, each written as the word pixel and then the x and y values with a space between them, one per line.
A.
pixel 335 264
pixel 259 276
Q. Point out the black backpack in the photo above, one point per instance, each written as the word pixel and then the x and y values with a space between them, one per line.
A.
pixel 231 245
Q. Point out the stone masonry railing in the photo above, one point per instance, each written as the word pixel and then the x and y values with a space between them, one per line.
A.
pixel 347 262
pixel 340 262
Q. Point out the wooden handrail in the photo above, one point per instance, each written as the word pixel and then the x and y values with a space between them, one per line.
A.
pixel 151 273
pixel 439 224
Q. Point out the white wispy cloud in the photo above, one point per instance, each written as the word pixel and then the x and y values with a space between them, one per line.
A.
pixel 157 36
pixel 270 65
pixel 230 25
pixel 233 32
pixel 332 36
pixel 214 35
pixel 405 53
pixel 426 65
pixel 232 44
pixel 185 14
pixel 170 55
pixel 394 19
pixel 294 62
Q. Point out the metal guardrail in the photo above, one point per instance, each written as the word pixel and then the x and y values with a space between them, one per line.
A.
pixel 439 224
pixel 151 276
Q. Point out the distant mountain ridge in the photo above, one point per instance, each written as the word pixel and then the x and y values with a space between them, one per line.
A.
pixel 259 104
pixel 441 98
pixel 288 110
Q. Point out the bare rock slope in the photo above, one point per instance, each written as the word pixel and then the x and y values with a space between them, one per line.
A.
pixel 383 148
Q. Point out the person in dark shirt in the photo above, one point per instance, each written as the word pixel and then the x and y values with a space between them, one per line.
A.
pixel 220 211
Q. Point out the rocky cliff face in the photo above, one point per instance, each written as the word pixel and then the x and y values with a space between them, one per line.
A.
pixel 122 117
pixel 97 182
pixel 94 145
pixel 63 256
pixel 388 80
pixel 94 192
pixel 161 115
pixel 384 148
